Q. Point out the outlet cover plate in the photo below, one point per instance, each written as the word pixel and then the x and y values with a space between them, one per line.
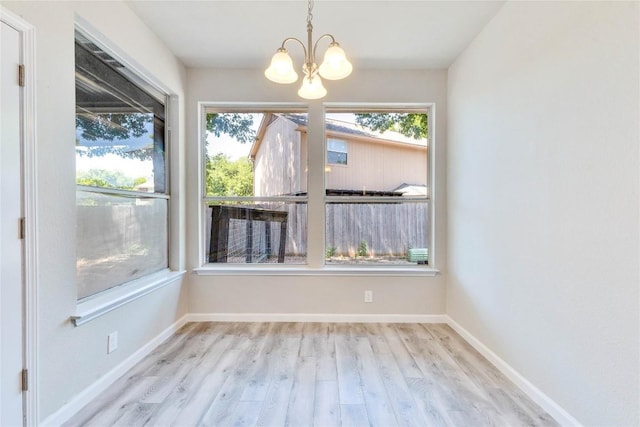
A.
pixel 368 296
pixel 112 342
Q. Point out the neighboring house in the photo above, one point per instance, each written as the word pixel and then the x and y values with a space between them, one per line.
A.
pixel 359 161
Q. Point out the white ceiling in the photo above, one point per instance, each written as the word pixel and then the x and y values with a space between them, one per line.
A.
pixel 375 34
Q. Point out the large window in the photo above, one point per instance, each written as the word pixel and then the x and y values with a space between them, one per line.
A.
pixel 122 197
pixel 377 209
pixel 255 186
pixel 373 210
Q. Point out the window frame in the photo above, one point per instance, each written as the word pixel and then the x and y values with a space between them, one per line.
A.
pixel 345 152
pixel 425 108
pixel 205 108
pixel 317 198
pixel 101 303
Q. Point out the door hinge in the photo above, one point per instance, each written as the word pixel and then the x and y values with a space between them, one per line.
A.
pixel 21 231
pixel 21 75
pixel 25 380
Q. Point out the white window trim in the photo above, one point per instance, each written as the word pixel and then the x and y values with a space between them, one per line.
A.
pixel 430 107
pixel 316 196
pixel 329 270
pixel 106 301
pixel 203 108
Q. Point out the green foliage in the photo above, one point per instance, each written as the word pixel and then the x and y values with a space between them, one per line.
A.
pixel 412 125
pixel 236 125
pixel 331 252
pixel 144 153
pixel 110 126
pixel 123 126
pixel 229 178
pixel 362 249
pixel 139 181
pixel 108 179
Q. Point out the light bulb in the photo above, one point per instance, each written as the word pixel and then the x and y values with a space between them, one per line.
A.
pixel 281 68
pixel 312 88
pixel 335 65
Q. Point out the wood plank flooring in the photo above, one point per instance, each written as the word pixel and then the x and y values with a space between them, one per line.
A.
pixel 313 374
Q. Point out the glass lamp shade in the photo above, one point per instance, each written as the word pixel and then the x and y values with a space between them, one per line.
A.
pixel 335 65
pixel 312 88
pixel 281 68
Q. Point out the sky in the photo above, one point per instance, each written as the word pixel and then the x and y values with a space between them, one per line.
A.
pixel 229 146
pixel 130 167
pixel 139 168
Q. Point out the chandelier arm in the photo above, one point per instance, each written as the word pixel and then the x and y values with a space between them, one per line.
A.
pixel 306 56
pixel 315 46
pixel 295 39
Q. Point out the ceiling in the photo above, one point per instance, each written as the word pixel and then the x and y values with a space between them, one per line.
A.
pixel 378 34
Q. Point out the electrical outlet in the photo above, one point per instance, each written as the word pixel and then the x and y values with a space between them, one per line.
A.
pixel 368 296
pixel 112 342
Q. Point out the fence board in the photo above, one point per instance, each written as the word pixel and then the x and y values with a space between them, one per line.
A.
pixel 389 229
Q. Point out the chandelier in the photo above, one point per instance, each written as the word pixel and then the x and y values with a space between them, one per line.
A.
pixel 335 65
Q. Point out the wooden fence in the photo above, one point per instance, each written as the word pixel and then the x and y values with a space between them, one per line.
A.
pixel 384 229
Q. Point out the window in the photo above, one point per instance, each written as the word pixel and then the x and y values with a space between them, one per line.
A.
pixel 336 151
pixel 121 175
pixel 377 210
pixel 255 186
pixel 374 213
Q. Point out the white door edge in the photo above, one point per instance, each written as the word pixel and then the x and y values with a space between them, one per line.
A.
pixel 30 209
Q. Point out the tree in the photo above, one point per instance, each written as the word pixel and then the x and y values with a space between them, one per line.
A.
pixel 124 126
pixel 412 125
pixel 110 126
pixel 236 125
pixel 108 179
pixel 229 178
pixel 114 127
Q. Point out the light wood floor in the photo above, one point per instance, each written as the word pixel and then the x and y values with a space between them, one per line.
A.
pixel 322 374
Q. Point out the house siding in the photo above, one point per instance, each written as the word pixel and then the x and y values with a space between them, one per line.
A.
pixel 378 167
pixel 278 165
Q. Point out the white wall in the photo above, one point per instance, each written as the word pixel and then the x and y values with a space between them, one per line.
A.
pixel 316 294
pixel 543 219
pixel 72 358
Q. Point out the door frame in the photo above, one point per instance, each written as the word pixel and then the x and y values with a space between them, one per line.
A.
pixel 30 209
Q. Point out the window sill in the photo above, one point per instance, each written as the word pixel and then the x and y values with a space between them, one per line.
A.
pixel 326 271
pixel 116 297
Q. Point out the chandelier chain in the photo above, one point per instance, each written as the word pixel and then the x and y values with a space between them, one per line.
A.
pixel 309 9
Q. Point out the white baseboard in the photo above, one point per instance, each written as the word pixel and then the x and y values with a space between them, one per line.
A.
pixel 317 317
pixel 87 395
pixel 545 402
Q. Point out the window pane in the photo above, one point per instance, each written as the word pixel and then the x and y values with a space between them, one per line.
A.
pixel 336 158
pixel 119 145
pixel 376 233
pixel 387 153
pixel 387 160
pixel 255 154
pixel 256 232
pixel 336 145
pixel 118 239
pixel 119 129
